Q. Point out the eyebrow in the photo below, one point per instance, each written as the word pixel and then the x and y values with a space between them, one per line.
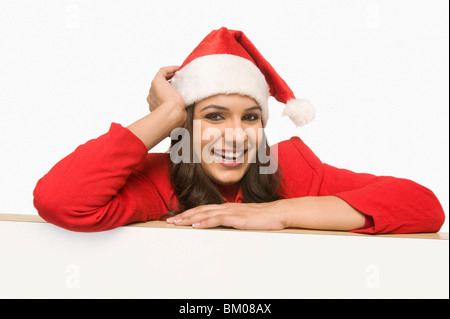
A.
pixel 212 106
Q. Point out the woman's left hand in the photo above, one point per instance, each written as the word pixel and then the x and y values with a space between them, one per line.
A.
pixel 236 215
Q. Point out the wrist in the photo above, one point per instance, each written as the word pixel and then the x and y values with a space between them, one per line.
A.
pixel 283 209
pixel 175 114
pixel 157 125
pixel 287 209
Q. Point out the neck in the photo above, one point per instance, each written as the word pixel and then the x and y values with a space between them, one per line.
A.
pixel 228 189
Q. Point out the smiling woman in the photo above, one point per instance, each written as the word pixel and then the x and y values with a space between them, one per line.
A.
pixel 220 169
pixel 226 149
pixel 222 156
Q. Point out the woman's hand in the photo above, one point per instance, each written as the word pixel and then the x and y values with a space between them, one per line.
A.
pixel 167 107
pixel 161 91
pixel 236 215
pixel 311 212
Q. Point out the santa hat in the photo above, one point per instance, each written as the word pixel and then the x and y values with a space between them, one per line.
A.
pixel 227 62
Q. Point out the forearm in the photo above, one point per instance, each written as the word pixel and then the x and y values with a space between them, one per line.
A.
pixel 320 212
pixel 89 178
pixel 154 127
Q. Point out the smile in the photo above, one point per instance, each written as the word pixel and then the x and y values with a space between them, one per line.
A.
pixel 229 158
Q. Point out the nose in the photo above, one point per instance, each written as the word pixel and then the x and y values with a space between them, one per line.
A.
pixel 235 135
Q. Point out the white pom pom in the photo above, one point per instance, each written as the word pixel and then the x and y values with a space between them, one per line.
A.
pixel 299 111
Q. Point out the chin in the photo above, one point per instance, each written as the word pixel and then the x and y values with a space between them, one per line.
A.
pixel 226 176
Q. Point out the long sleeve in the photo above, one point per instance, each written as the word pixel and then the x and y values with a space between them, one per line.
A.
pixel 395 205
pixel 390 204
pixel 98 187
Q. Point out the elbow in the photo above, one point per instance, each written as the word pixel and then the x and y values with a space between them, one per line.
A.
pixel 403 207
pixel 49 207
pixel 44 204
pixel 429 216
pixel 425 212
pixel 432 210
pixel 440 219
pixel 437 214
pixel 60 211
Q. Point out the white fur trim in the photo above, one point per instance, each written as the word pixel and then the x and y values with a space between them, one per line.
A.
pixel 299 111
pixel 222 73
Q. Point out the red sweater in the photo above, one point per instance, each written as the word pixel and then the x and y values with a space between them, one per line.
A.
pixel 112 181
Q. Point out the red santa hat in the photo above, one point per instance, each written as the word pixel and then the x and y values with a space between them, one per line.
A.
pixel 227 62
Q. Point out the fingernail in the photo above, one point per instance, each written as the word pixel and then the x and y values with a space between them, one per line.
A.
pixel 169 220
pixel 176 221
pixel 195 225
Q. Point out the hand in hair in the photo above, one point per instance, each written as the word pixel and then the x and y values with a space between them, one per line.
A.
pixel 161 91
pixel 167 107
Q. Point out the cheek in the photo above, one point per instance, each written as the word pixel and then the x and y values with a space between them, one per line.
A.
pixel 254 141
pixel 204 137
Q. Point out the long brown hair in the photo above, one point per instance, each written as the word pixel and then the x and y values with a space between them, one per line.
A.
pixel 193 187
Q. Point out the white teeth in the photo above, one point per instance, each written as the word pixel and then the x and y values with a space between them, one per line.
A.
pixel 229 156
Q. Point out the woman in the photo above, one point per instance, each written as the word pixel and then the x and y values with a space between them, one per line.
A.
pixel 220 170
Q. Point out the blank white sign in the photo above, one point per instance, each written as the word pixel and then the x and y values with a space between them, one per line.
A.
pixel 39 260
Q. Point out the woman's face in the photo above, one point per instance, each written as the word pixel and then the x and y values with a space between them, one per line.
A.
pixel 227 135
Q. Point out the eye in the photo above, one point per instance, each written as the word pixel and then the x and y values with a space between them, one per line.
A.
pixel 251 117
pixel 214 116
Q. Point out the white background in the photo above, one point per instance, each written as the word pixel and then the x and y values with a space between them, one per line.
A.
pixel 376 71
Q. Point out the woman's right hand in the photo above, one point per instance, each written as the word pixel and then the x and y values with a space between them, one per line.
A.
pixel 167 110
pixel 161 91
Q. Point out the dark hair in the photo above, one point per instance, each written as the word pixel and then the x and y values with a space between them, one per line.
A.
pixel 193 187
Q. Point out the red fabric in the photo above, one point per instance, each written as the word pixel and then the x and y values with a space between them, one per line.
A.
pixel 221 41
pixel 233 42
pixel 112 181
